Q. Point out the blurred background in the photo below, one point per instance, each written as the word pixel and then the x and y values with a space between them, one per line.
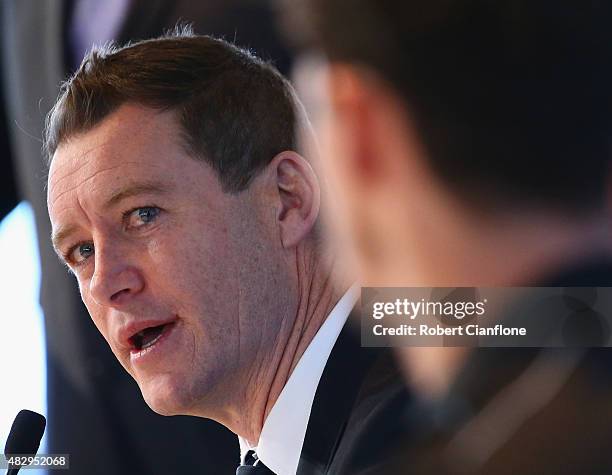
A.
pixel 53 359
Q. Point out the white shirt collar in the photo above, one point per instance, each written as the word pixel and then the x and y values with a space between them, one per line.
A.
pixel 282 436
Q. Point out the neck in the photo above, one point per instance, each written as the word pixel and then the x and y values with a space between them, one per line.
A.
pixel 521 250
pixel 318 291
pixel 514 250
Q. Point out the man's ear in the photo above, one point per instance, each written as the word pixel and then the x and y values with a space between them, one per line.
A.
pixel 299 196
pixel 372 124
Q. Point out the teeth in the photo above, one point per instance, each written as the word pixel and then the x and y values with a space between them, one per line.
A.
pixel 152 342
pixel 136 340
pixel 147 337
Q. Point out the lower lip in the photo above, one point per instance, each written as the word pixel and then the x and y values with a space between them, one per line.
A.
pixel 157 348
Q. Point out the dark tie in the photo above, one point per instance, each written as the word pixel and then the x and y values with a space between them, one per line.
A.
pixel 253 466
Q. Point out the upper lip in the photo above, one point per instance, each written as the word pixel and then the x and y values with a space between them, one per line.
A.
pixel 127 331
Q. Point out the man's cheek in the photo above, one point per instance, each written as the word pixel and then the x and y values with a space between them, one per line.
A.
pixel 95 313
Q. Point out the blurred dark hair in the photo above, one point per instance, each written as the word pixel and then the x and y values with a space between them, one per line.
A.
pixel 512 99
pixel 236 111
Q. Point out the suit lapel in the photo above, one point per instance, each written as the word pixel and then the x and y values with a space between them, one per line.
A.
pixel 334 399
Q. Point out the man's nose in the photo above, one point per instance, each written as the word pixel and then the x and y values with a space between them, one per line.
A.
pixel 116 277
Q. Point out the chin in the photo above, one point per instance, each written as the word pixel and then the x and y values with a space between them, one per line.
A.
pixel 167 399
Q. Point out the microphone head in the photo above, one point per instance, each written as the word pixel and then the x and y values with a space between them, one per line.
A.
pixel 26 432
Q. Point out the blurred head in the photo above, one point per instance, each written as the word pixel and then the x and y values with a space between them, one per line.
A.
pixel 178 199
pixel 441 114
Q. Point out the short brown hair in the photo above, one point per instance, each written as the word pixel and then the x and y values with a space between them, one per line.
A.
pixel 236 111
pixel 510 98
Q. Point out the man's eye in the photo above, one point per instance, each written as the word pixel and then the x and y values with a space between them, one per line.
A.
pixel 81 252
pixel 139 217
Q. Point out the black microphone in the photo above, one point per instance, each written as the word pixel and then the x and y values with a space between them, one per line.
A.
pixel 25 435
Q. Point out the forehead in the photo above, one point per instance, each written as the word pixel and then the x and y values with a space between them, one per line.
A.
pixel 133 143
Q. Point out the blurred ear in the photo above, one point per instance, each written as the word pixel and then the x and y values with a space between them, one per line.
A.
pixel 374 127
pixel 300 197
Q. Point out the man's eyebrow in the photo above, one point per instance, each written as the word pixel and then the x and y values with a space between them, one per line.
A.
pixel 57 237
pixel 135 189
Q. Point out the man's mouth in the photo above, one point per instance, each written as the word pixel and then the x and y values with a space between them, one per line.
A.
pixel 149 336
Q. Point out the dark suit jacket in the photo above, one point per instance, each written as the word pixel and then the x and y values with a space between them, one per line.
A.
pixel 355 409
pixel 528 411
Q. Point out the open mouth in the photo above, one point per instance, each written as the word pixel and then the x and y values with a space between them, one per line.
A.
pixel 149 336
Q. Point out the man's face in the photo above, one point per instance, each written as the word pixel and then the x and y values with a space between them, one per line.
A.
pixel 365 145
pixel 168 265
pixel 345 214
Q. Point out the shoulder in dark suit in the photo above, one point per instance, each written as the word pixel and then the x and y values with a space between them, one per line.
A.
pixel 355 410
pixel 527 411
